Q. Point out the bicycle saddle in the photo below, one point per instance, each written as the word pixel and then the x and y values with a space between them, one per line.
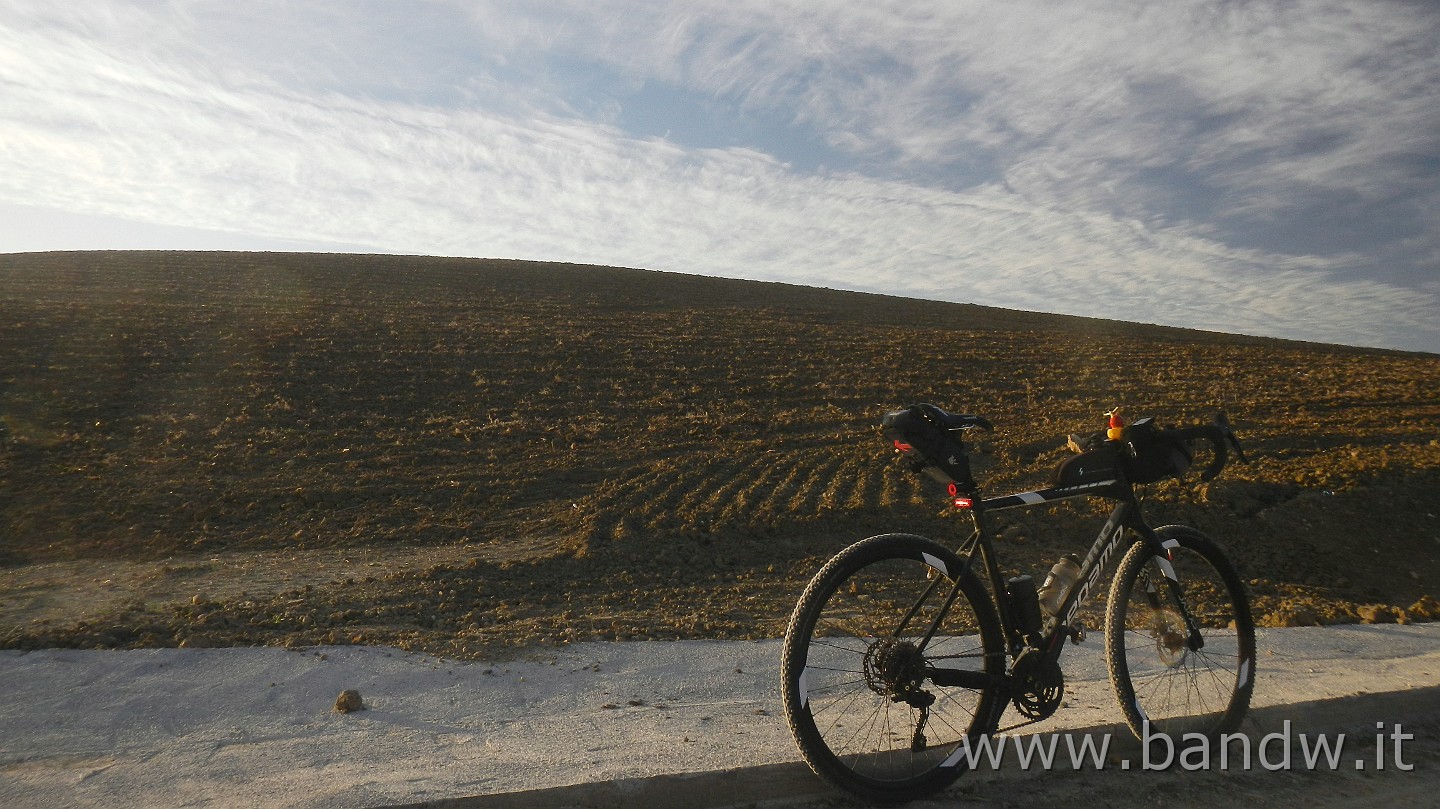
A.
pixel 950 421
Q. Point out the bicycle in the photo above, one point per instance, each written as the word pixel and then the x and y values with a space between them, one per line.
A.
pixel 901 653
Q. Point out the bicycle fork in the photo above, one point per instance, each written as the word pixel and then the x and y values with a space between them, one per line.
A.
pixel 1164 562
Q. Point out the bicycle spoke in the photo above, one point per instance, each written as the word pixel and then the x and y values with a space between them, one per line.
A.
pixel 865 694
pixel 1157 675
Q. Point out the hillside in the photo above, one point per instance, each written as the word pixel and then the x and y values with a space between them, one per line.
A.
pixel 224 448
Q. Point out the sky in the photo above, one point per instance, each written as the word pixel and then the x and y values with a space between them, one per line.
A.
pixel 1258 167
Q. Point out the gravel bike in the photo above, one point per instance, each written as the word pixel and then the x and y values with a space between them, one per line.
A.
pixel 902 653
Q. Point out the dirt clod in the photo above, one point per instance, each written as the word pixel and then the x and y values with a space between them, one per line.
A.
pixel 349 700
pixel 1380 614
pixel 1427 608
pixel 1294 616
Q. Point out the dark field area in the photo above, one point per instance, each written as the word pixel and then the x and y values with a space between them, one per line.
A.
pixel 463 455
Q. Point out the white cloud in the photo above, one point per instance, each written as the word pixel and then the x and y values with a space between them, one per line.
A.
pixel 1070 105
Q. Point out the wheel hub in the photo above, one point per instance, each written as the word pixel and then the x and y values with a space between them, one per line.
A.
pixel 1170 638
pixel 895 668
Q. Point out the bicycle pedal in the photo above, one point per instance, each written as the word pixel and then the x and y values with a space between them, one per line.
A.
pixel 1077 634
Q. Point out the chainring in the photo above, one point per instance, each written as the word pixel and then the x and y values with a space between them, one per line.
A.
pixel 1039 685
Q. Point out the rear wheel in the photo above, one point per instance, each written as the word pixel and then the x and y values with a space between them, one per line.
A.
pixel 1167 681
pixel 876 709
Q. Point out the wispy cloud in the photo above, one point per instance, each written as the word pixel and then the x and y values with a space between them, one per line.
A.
pixel 1241 167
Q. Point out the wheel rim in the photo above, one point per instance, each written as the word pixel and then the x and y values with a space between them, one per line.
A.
pixel 1176 685
pixel 864 684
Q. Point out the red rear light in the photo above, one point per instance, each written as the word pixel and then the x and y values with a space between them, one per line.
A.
pixel 902 446
pixel 964 502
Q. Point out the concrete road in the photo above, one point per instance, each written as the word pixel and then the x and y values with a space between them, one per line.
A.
pixel 694 723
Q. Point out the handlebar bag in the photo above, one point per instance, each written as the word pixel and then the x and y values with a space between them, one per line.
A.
pixel 1093 466
pixel 930 447
pixel 1150 456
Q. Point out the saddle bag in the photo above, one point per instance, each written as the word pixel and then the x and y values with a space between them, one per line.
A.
pixel 929 446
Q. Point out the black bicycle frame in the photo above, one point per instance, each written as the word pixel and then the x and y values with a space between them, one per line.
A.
pixel 1125 518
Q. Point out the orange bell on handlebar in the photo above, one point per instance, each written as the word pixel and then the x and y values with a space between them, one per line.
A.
pixel 1117 425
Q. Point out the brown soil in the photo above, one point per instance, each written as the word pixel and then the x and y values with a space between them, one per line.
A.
pixel 463 456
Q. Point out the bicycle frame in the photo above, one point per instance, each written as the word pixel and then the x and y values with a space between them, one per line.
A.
pixel 952 646
pixel 1124 519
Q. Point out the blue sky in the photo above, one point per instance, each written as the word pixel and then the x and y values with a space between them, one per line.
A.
pixel 1256 167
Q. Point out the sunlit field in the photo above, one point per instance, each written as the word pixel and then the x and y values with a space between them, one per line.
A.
pixel 460 455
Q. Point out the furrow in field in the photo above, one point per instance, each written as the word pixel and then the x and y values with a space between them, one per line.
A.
pixel 808 497
pixel 652 505
pixel 842 483
pixel 758 477
pixel 612 509
pixel 869 482
pixel 774 503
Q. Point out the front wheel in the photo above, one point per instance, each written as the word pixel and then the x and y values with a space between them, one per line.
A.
pixel 1166 679
pixel 892 664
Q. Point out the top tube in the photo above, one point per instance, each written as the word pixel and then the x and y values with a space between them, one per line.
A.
pixel 1112 489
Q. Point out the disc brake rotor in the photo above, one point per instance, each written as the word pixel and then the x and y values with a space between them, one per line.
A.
pixel 1170 638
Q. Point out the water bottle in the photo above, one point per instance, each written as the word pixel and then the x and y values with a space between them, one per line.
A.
pixel 1062 577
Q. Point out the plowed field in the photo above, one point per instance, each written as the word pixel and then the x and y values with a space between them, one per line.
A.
pixel 460 455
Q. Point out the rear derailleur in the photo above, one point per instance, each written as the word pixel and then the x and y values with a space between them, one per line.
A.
pixel 896 669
